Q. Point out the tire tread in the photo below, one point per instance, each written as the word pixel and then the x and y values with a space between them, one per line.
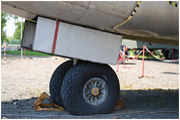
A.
pixel 56 81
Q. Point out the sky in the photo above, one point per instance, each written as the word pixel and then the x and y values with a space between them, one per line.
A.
pixel 10 27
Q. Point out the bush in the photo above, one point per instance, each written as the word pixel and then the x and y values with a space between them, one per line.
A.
pixel 17 42
pixel 11 40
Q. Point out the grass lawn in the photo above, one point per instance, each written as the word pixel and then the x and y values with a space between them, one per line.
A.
pixel 33 53
pixel 27 52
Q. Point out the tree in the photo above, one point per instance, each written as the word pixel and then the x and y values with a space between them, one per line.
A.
pixel 17 33
pixel 4 19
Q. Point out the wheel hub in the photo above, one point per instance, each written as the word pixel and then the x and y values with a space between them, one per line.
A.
pixel 95 91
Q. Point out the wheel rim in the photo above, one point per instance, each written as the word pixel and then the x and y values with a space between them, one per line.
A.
pixel 95 91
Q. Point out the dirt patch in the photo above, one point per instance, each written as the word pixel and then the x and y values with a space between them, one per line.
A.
pixel 154 96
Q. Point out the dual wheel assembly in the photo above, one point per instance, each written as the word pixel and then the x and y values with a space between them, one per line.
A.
pixel 85 88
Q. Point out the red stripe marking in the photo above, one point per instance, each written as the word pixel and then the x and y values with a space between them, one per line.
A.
pixel 55 37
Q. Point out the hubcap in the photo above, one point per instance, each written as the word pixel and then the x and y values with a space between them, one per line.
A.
pixel 95 91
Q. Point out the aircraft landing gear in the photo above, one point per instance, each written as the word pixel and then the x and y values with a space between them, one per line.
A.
pixel 89 88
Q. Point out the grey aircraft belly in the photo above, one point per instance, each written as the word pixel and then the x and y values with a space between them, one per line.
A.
pixel 154 21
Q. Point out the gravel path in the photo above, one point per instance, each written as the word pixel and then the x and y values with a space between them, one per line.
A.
pixel 154 96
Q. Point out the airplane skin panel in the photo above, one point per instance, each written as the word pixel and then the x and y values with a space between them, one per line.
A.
pixel 28 35
pixel 159 20
pixel 18 12
pixel 44 35
pixel 76 42
pixel 131 44
pixel 154 19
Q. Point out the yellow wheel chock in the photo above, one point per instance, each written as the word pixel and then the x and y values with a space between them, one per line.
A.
pixel 38 104
pixel 120 104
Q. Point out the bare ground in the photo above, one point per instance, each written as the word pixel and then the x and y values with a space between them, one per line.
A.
pixel 154 96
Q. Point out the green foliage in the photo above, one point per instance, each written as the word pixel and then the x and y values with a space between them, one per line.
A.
pixel 17 33
pixel 150 56
pixel 11 40
pixel 4 19
pixel 131 53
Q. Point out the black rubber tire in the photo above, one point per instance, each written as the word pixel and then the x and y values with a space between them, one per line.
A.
pixel 74 81
pixel 56 81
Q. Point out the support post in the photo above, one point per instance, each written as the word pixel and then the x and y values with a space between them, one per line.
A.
pixel 75 61
pixel 172 53
pixel 117 66
pixel 124 57
pixel 21 39
pixel 4 51
pixel 24 54
pixel 143 61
